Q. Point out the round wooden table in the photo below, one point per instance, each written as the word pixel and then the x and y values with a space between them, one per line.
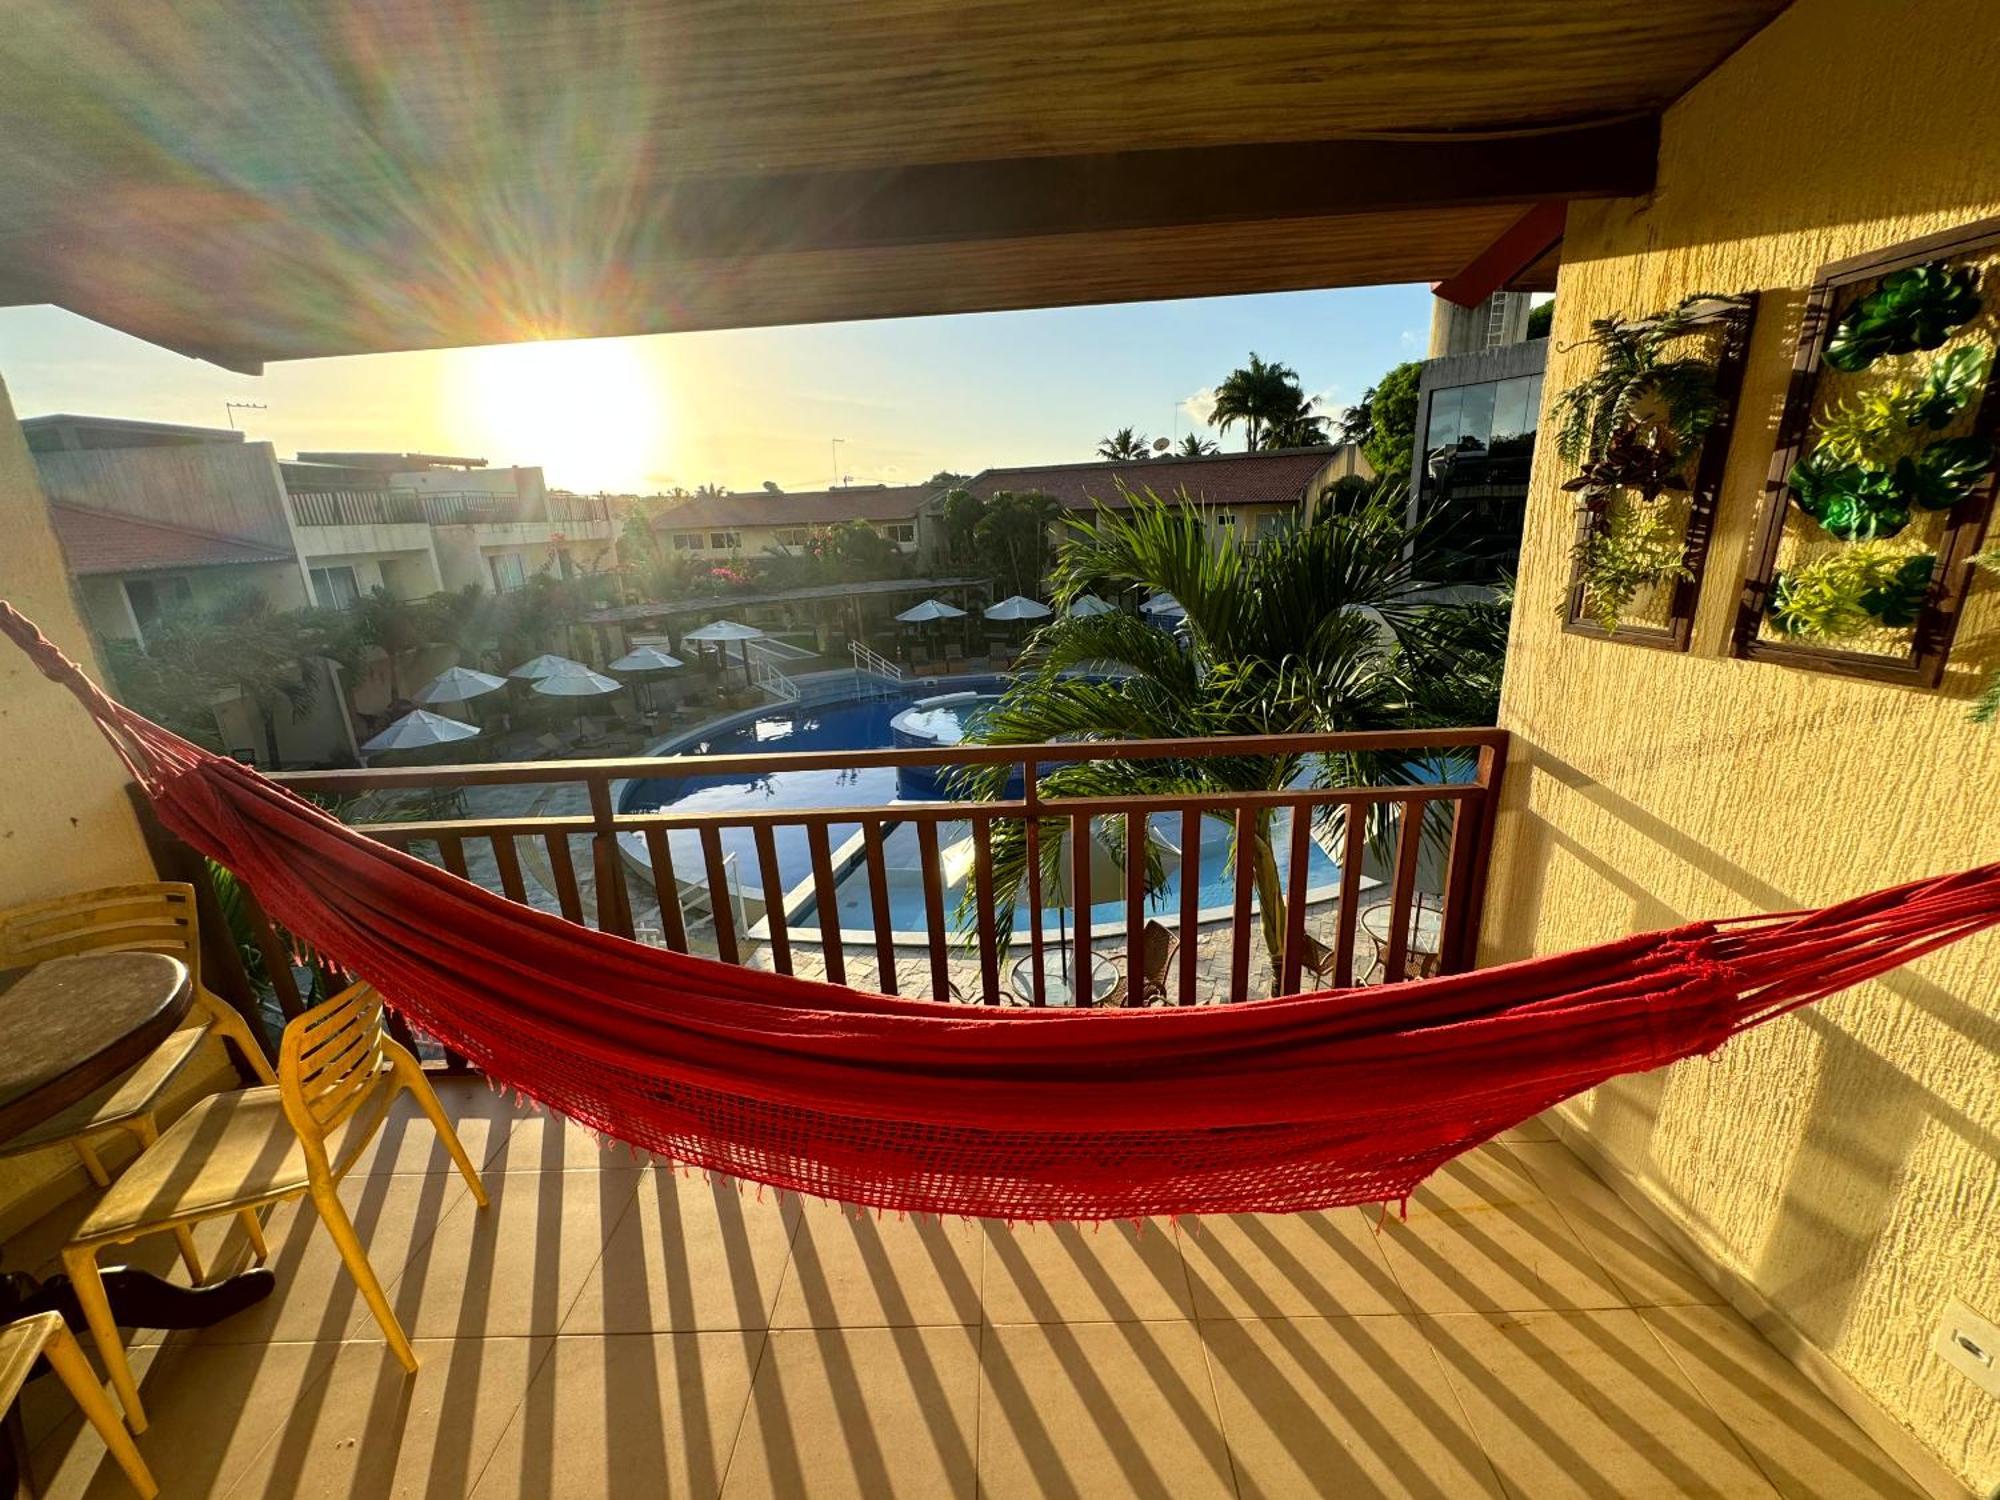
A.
pixel 74 1025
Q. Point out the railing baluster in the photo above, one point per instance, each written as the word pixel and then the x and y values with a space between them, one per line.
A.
pixel 829 907
pixel 1137 835
pixel 563 871
pixel 878 897
pixel 277 957
pixel 774 899
pixel 1031 832
pixel 607 865
pixel 1295 901
pixel 1353 854
pixel 1190 943
pixel 451 853
pixel 1492 765
pixel 1409 839
pixel 927 856
pixel 1239 917
pixel 1079 901
pixel 982 892
pixel 666 888
pixel 508 863
pixel 721 914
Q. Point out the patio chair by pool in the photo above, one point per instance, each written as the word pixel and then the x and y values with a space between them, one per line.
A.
pixel 1159 945
pixel 43 1336
pixel 151 918
pixel 338 1073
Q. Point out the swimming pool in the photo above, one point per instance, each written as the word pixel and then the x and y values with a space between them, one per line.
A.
pixel 868 724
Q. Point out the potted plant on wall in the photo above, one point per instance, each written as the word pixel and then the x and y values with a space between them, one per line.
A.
pixel 1633 427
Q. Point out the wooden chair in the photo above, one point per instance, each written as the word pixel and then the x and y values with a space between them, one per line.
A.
pixel 43 1336
pixel 338 1073
pixel 157 918
pixel 1159 945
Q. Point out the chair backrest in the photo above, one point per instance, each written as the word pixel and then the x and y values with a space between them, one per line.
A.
pixel 330 1069
pixel 154 918
pixel 1318 957
pixel 1160 942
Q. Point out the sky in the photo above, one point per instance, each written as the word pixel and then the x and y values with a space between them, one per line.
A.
pixel 905 397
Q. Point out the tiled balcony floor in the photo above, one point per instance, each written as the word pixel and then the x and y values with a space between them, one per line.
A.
pixel 611 1330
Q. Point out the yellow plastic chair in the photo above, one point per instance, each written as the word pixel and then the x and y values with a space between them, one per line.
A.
pixel 338 1073
pixel 44 1335
pixel 158 918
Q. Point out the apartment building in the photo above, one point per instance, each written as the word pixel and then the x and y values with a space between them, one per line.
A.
pixel 759 521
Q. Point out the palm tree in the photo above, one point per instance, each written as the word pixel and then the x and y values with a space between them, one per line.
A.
pixel 1125 443
pixel 1301 429
pixel 1259 395
pixel 1196 446
pixel 1321 628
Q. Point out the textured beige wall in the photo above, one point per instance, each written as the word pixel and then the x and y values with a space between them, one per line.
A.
pixel 1846 1161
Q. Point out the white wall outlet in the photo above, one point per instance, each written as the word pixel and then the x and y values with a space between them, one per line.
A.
pixel 1970 1344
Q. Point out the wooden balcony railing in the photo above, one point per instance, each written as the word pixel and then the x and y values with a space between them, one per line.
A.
pixel 1425 833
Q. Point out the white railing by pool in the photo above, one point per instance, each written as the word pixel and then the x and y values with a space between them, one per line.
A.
pixel 874 664
pixel 772 681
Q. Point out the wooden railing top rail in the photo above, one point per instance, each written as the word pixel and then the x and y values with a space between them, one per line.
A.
pixel 649 767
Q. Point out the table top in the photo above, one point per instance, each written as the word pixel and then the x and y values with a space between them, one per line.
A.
pixel 73 1025
pixel 1427 934
pixel 1055 989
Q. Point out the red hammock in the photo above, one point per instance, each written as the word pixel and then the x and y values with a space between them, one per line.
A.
pixel 1348 1096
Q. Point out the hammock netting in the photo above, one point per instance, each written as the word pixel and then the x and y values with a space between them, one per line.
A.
pixel 1310 1101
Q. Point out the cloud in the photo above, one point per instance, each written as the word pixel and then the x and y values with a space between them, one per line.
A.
pixel 1201 405
pixel 1325 401
pixel 1408 338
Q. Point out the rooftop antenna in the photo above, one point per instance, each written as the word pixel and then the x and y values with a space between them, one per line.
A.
pixel 231 408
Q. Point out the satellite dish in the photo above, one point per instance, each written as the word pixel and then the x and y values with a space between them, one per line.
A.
pixel 1161 445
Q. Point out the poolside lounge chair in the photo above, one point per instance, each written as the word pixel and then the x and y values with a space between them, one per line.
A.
pixel 1157 946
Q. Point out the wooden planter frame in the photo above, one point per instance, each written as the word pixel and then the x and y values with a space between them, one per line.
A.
pixel 1951 578
pixel 1703 495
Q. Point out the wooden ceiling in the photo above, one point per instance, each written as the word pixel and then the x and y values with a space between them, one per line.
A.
pixel 248 180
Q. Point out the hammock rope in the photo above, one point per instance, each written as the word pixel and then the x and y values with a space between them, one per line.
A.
pixel 1309 1101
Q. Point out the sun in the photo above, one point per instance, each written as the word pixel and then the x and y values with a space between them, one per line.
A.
pixel 593 413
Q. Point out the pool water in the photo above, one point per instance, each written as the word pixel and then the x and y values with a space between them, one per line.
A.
pixel 865 725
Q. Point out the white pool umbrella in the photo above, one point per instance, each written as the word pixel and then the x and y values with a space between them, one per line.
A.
pixel 542 666
pixel 457 685
pixel 1164 606
pixel 642 660
pixel 718 633
pixel 418 731
pixel 578 683
pixel 1019 607
pixel 1085 605
pixel 930 609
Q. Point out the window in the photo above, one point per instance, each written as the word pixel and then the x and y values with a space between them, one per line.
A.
pixel 151 598
pixel 1476 451
pixel 725 541
pixel 335 588
pixel 689 541
pixel 792 536
pixel 1222 520
pixel 508 573
pixel 902 532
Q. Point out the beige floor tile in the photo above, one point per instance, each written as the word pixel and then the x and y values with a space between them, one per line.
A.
pixel 869 1413
pixel 1052 1273
pixel 1534 1128
pixel 514 1268
pixel 1098 1409
pixel 395 1215
pixel 49 1414
pixel 1587 1404
pixel 691 1254
pixel 213 1408
pixel 1482 1236
pixel 873 1271
pixel 626 1415
pixel 1263 1265
pixel 406 1142
pixel 1806 1446
pixel 1645 1267
pixel 1342 1406
pixel 370 1429
pixel 543 1141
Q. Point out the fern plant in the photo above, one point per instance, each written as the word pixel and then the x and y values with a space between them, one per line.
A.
pixel 1636 547
pixel 1637 367
pixel 1845 593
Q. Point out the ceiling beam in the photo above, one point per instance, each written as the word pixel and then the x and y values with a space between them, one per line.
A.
pixel 1027 197
pixel 1526 241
